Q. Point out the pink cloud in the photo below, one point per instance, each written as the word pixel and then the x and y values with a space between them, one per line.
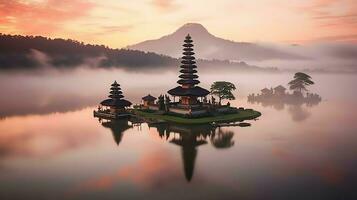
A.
pixel 164 5
pixel 338 18
pixel 41 18
pixel 323 12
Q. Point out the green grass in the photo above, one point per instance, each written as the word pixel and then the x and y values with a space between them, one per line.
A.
pixel 241 115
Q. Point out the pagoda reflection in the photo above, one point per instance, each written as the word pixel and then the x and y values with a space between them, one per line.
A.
pixel 118 127
pixel 190 137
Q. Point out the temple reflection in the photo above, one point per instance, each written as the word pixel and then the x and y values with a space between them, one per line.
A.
pixel 190 137
pixel 117 127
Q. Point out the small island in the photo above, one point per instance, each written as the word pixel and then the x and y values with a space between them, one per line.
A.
pixel 300 94
pixel 190 103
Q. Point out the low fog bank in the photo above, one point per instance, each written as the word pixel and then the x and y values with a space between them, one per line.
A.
pixel 42 62
pixel 320 57
pixel 63 91
pixel 51 91
pixel 36 53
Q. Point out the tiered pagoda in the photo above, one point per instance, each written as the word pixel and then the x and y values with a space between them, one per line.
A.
pixel 115 106
pixel 188 91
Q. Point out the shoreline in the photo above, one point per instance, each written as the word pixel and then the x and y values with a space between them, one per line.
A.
pixel 240 116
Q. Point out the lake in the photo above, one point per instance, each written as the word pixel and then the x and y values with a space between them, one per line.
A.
pixel 51 146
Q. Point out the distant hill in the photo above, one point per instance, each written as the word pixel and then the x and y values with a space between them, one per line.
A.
pixel 208 46
pixel 31 52
pixel 18 51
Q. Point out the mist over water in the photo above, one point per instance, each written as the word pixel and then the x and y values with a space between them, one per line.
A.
pixel 60 91
pixel 52 147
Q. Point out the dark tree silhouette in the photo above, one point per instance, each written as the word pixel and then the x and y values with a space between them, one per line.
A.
pixel 16 53
pixel 301 80
pixel 223 90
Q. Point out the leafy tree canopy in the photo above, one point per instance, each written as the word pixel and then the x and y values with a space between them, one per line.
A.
pixel 223 90
pixel 300 82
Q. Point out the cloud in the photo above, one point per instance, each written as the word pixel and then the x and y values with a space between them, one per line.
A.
pixel 164 5
pixel 114 29
pixel 30 17
pixel 332 13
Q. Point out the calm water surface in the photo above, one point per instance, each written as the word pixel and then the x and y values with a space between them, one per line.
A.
pixel 51 147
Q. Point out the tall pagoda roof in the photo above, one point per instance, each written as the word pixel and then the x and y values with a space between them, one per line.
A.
pixel 188 77
pixel 116 97
pixel 116 103
pixel 194 91
pixel 115 84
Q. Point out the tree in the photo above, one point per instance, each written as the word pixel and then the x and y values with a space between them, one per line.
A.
pixel 301 80
pixel 161 102
pixel 167 102
pixel 223 90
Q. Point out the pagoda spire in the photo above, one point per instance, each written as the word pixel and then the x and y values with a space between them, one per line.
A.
pixel 188 91
pixel 188 77
pixel 115 91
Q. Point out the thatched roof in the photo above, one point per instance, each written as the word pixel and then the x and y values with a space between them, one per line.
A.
pixel 194 91
pixel 149 98
pixel 120 103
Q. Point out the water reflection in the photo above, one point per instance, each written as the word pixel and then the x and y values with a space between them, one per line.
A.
pixel 117 127
pixel 222 139
pixel 299 112
pixel 298 106
pixel 41 103
pixel 190 137
pixel 38 153
pixel 187 137
pixel 46 136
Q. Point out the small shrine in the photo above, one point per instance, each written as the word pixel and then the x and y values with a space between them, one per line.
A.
pixel 148 100
pixel 115 106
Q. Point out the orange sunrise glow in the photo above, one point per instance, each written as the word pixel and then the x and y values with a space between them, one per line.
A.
pixel 118 23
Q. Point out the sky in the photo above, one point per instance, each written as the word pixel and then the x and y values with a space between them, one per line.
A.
pixel 118 23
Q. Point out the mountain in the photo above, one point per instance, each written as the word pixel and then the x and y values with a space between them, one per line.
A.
pixel 35 52
pixel 208 46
